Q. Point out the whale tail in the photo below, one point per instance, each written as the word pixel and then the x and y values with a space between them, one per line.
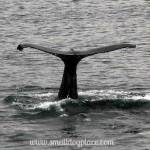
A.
pixel 71 58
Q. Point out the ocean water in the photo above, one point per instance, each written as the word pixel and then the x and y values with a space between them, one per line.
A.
pixel 114 88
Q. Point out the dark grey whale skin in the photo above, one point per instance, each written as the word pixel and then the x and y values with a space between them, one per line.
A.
pixel 71 58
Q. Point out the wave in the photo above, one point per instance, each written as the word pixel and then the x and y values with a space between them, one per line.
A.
pixel 35 103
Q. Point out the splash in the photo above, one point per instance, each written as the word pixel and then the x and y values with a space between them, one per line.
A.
pixel 47 102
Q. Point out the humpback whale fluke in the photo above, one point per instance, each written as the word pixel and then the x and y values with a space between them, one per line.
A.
pixel 71 58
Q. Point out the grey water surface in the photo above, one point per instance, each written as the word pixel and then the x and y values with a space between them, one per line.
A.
pixel 114 88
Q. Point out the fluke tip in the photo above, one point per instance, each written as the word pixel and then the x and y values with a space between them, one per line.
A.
pixel 20 47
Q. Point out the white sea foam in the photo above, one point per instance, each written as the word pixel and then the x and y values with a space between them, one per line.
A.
pixel 113 95
pixel 49 105
pixel 145 97
pixel 101 92
pixel 44 95
pixel 89 93
pixel 145 133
